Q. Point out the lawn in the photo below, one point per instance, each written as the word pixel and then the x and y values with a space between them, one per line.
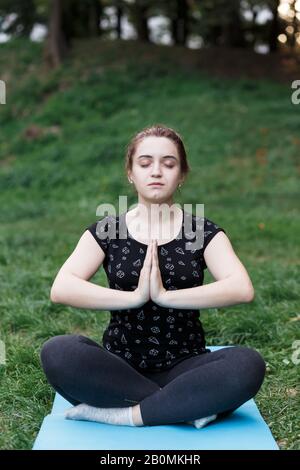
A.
pixel 63 136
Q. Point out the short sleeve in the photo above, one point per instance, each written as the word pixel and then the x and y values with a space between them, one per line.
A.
pixel 99 230
pixel 210 230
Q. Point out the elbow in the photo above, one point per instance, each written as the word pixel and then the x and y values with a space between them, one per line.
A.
pixel 59 293
pixel 54 295
pixel 249 294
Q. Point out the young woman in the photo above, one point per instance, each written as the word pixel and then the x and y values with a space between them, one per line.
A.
pixel 153 367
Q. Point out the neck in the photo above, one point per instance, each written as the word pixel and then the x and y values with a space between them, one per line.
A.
pixel 149 211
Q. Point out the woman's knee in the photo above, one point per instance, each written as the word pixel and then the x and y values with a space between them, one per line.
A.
pixel 249 367
pixel 53 354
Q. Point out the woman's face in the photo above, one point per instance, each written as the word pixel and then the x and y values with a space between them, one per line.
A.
pixel 156 160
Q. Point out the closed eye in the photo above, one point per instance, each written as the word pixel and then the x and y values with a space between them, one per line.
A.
pixel 169 166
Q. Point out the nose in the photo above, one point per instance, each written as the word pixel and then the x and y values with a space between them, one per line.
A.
pixel 156 170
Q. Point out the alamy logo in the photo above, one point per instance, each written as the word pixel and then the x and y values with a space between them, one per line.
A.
pixel 2 92
pixel 296 353
pixel 2 353
pixel 295 97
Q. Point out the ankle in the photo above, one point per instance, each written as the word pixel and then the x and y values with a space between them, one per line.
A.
pixel 136 416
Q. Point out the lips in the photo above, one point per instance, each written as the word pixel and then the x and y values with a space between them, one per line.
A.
pixel 155 184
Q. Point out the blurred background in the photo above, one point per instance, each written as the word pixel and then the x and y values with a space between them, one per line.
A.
pixel 78 80
pixel 260 25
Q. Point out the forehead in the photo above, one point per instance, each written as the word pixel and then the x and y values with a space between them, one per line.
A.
pixel 156 146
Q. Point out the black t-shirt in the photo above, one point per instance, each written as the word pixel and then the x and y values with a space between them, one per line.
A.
pixel 151 337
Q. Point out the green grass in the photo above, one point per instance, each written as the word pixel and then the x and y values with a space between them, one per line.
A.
pixel 242 140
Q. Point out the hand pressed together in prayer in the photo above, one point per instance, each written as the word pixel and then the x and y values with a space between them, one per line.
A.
pixel 150 285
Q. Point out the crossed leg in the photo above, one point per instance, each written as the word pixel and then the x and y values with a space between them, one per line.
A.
pixel 212 383
pixel 82 371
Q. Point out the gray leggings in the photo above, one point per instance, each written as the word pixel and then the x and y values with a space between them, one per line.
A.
pixel 217 382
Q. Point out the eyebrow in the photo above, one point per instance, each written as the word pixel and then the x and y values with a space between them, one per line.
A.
pixel 165 156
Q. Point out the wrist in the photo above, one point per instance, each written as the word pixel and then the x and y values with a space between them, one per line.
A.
pixel 136 299
pixel 163 299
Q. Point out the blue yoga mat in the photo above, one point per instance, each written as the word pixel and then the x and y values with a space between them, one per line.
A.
pixel 244 429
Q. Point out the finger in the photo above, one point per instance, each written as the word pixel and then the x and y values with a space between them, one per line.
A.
pixel 147 261
pixel 152 251
pixel 151 255
pixel 155 261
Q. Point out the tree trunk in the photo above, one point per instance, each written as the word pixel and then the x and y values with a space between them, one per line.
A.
pixel 274 29
pixel 295 26
pixel 179 24
pixel 119 13
pixel 95 12
pixel 182 23
pixel 141 21
pixel 56 48
pixel 233 29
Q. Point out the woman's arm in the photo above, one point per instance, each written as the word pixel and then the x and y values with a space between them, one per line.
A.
pixel 232 286
pixel 71 285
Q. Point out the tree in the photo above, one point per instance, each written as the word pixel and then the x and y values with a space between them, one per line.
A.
pixel 26 15
pixel 179 22
pixel 119 14
pixel 69 19
pixel 56 47
pixel 274 26
pixel 138 15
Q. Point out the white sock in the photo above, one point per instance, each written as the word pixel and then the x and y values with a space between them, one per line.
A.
pixel 101 415
pixel 201 422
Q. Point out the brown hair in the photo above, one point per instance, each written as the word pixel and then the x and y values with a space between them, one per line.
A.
pixel 157 130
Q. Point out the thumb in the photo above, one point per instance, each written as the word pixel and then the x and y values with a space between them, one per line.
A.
pixel 148 258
